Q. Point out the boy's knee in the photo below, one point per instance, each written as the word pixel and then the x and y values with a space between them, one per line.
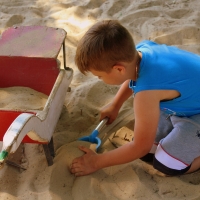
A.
pixel 163 168
pixel 168 164
pixel 169 171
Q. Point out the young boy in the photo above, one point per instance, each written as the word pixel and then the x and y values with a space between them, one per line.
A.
pixel 166 85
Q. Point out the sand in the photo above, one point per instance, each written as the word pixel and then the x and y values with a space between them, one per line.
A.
pixel 174 22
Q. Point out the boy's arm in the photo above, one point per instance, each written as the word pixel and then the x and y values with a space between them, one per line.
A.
pixel 122 95
pixel 146 109
pixel 111 110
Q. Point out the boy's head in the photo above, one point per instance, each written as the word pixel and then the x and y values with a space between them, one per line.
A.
pixel 104 45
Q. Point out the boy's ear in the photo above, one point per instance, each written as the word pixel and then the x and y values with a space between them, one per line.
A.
pixel 119 68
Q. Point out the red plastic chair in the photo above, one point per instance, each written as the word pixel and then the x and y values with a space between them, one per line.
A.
pixel 28 58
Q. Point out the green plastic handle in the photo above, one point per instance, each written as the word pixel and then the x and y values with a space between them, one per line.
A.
pixel 3 155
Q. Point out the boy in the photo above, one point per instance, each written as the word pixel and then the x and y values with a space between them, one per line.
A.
pixel 166 85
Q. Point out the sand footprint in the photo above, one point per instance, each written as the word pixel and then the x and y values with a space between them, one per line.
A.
pixel 187 35
pixel 150 4
pixel 181 13
pixel 117 7
pixel 15 19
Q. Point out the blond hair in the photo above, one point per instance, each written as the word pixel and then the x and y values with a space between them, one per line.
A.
pixel 103 45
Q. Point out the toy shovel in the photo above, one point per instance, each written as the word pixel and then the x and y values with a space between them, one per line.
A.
pixel 93 137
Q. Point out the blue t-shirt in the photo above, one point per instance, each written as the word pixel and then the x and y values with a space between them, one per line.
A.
pixel 169 68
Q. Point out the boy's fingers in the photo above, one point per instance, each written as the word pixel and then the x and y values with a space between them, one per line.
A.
pixel 84 149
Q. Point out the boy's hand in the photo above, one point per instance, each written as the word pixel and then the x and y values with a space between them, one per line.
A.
pixel 85 164
pixel 109 111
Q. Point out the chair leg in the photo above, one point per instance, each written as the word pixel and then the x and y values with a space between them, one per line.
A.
pixel 49 152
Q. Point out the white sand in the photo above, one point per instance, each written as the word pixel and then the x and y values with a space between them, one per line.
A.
pixel 174 22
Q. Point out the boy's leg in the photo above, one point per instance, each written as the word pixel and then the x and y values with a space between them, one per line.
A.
pixel 194 166
pixel 164 128
pixel 180 148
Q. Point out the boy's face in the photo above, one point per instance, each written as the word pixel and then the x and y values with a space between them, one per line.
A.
pixel 114 77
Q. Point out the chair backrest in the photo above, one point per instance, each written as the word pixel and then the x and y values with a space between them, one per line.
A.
pixel 28 57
